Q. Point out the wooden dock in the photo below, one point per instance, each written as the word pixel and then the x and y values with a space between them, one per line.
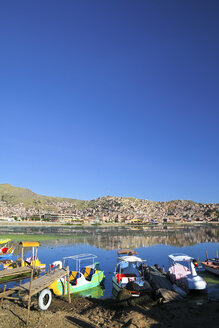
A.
pixel 42 282
pixel 38 284
pixel 163 286
pixel 34 286
pixel 159 279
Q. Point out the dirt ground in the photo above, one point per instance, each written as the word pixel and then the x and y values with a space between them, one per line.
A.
pixel 91 313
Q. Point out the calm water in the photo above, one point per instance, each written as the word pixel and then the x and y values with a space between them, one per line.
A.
pixel 153 244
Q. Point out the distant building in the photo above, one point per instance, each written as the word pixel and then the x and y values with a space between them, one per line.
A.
pixel 7 219
pixel 58 217
pixel 136 220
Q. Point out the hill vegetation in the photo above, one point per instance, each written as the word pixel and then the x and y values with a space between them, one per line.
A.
pixel 22 202
pixel 17 195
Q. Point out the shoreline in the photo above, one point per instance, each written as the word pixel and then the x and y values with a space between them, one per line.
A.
pixel 59 224
pixel 93 313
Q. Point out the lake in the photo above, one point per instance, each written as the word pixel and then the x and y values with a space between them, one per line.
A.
pixel 153 243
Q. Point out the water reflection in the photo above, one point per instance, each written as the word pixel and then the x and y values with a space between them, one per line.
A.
pixel 121 237
pixel 153 244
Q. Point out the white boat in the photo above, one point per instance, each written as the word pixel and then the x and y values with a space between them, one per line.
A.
pixel 211 266
pixel 182 272
pixel 129 274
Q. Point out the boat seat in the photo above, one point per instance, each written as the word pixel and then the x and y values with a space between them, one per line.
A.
pixel 4 250
pixel 72 275
pixel 179 271
pixel 90 274
pixel 73 278
pixel 121 276
pixel 87 272
pixel 124 280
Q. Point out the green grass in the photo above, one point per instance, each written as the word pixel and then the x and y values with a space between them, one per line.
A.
pixel 25 237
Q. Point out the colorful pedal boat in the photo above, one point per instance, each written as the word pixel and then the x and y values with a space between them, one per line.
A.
pixel 6 251
pixel 31 261
pixel 82 279
pixel 129 274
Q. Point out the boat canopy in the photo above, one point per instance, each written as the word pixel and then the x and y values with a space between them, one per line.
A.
pixel 29 244
pixel 4 241
pixel 131 258
pixel 127 251
pixel 180 257
pixel 79 258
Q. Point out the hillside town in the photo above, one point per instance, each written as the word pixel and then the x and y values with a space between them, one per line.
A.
pixel 111 210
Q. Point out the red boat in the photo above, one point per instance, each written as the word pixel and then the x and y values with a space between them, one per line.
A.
pixel 211 266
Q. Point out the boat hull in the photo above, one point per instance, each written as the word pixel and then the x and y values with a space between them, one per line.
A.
pixel 211 269
pixel 5 257
pixel 135 292
pixel 58 286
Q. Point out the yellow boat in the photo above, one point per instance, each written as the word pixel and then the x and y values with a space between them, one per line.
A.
pixel 31 261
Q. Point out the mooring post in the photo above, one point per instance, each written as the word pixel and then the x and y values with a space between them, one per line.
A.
pixel 49 268
pixel 1 301
pixel 29 298
pixel 64 291
pixel 68 287
pixel 206 255
pixel 22 256
pixel 216 254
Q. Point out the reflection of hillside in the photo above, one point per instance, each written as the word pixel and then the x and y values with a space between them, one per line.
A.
pixel 136 239
pixel 122 237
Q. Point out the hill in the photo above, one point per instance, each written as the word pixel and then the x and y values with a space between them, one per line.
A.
pixel 23 202
pixel 17 195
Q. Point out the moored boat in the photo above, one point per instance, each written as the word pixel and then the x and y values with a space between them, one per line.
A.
pixel 129 274
pixel 83 278
pixel 30 261
pixel 182 272
pixel 6 251
pixel 211 266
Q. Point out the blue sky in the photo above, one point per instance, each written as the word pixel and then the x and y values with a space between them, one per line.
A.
pixel 114 97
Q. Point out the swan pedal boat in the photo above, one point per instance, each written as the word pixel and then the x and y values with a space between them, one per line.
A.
pixel 129 274
pixel 182 272
pixel 82 279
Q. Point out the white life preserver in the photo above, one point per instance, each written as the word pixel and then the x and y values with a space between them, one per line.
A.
pixel 45 299
pixel 56 263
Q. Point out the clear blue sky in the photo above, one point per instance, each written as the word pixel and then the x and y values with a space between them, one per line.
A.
pixel 113 97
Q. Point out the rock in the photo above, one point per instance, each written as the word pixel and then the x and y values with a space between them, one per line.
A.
pixel 124 295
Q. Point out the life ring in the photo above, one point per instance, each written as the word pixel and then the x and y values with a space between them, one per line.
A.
pixel 45 299
pixel 57 264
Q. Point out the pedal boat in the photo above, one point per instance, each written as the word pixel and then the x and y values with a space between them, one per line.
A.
pixel 129 274
pixel 182 272
pixel 6 251
pixel 83 278
pixel 30 261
